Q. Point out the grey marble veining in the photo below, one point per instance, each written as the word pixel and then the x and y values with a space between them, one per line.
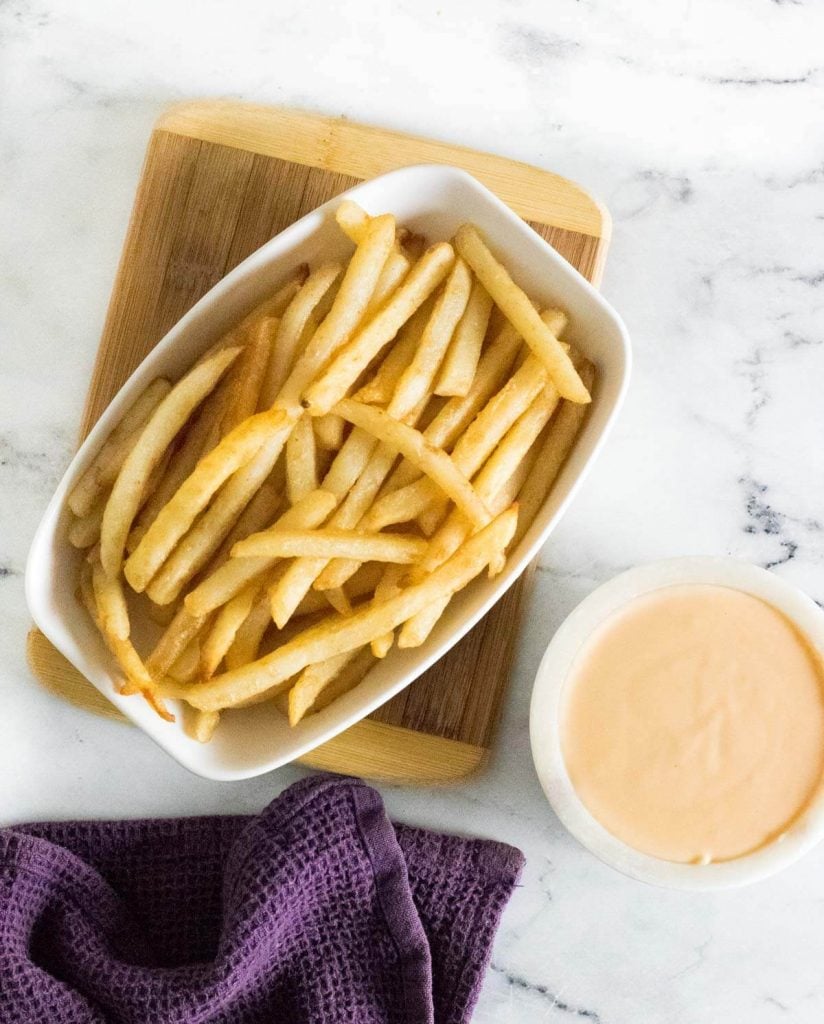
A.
pixel 701 126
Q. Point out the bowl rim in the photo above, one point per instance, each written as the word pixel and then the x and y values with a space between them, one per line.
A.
pixel 55 625
pixel 544 722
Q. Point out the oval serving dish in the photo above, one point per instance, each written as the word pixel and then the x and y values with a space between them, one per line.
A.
pixel 433 200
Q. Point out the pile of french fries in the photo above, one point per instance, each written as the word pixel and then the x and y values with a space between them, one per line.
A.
pixel 325 478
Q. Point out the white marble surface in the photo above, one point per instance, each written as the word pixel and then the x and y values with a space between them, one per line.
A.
pixel 699 123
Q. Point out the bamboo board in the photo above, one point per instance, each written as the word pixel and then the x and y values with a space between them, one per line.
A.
pixel 219 180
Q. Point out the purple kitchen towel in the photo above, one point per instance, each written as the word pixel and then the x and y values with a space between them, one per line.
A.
pixel 317 910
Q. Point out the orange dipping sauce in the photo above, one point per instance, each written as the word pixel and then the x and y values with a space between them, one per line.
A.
pixel 693 723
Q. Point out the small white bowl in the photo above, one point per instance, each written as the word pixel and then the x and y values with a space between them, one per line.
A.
pixel 434 201
pixel 545 715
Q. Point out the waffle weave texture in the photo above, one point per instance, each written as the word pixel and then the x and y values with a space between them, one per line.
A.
pixel 317 910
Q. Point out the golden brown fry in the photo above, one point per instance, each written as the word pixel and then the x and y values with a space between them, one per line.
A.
pixel 356 290
pixel 155 438
pixel 559 441
pixel 249 636
pixel 422 497
pixel 520 312
pixel 389 586
pixel 394 271
pixel 379 390
pixel 223 630
pixel 233 575
pixel 200 437
pixel 111 604
pixel 312 681
pixel 285 344
pixel 335 636
pixel 104 467
pixel 331 543
pixel 417 380
pixel 461 362
pixel 209 532
pixel 329 431
pixel 458 413
pixel 137 677
pixel 245 379
pixel 200 725
pixel 84 532
pixel 353 220
pixel 274 306
pixel 491 485
pixel 301 461
pixel 185 667
pixel 261 511
pixel 233 452
pixel 178 634
pixel 355 356
pixel 410 443
pixel 337 598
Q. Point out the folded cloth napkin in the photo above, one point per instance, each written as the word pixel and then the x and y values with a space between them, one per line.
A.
pixel 317 910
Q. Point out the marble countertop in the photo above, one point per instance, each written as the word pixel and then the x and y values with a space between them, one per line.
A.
pixel 700 124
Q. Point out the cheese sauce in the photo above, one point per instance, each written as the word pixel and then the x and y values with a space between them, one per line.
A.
pixel 693 723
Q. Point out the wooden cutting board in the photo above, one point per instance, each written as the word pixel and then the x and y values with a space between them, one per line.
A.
pixel 219 180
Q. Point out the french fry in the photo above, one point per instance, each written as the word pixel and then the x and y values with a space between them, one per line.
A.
pixel 338 635
pixel 356 290
pixel 312 681
pixel 563 430
pixel 310 700
pixel 185 667
pixel 351 676
pixel 200 725
pixel 461 362
pixel 389 586
pixel 329 431
pixel 259 513
pixel 274 306
pixel 520 312
pixel 84 531
pixel 348 480
pixel 352 219
pixel 362 584
pixel 207 535
pixel 379 390
pixel 348 364
pixel 137 678
pixel 245 379
pixel 301 461
pixel 247 639
pixel 104 467
pixel 337 598
pixel 423 497
pixel 416 381
pixel 433 462
pixel 458 413
pixel 178 634
pixel 394 271
pixel 224 629
pixel 233 575
pixel 331 543
pixel 411 394
pixel 201 436
pixel 490 484
pixel 156 436
pixel 111 603
pixel 298 313
pixel 172 522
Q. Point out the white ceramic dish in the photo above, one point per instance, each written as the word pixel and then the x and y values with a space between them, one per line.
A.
pixel 435 201
pixel 547 702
